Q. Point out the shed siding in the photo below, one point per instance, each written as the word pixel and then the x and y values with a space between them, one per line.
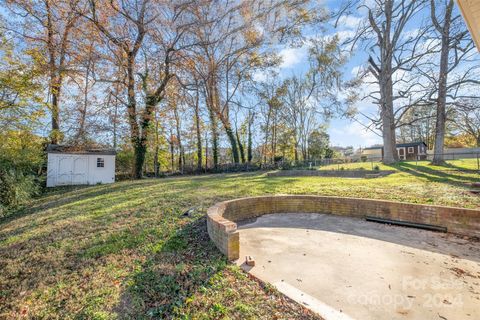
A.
pixel 77 169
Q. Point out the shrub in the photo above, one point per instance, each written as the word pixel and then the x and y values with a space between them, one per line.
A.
pixel 278 159
pixel 287 165
pixel 124 162
pixel 376 168
pixel 16 188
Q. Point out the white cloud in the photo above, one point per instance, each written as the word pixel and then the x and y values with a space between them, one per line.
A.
pixel 347 133
pixel 349 21
pixel 292 56
pixel 259 76
pixel 342 35
pixel 412 33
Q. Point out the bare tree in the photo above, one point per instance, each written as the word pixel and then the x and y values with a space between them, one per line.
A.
pixel 300 111
pixel 468 118
pixel 314 97
pixel 456 51
pixel 129 26
pixel 235 39
pixel 49 27
pixel 194 100
pixel 271 95
pixel 382 33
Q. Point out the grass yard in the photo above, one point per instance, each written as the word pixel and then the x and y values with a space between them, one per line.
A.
pixel 127 251
pixel 452 165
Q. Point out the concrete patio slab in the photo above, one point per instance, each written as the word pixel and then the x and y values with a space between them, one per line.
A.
pixel 347 268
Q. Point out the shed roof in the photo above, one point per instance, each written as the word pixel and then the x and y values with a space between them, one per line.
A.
pixel 57 148
pixel 400 145
pixel 411 144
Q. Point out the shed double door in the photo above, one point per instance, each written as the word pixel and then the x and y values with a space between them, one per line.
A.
pixel 72 170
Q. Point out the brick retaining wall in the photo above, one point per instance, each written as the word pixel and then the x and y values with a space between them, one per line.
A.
pixel 222 217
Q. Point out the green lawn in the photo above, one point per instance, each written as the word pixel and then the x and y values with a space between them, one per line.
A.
pixel 452 165
pixel 126 250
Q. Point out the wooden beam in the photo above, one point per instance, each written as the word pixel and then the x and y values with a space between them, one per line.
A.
pixel 471 14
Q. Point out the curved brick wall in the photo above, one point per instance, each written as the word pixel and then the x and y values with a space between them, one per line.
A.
pixel 222 217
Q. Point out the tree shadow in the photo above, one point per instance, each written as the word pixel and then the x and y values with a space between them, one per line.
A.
pixel 185 262
pixel 69 195
pixel 179 261
pixel 457 176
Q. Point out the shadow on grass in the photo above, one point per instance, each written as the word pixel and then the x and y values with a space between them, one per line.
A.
pixel 456 177
pixel 56 214
pixel 179 260
pixel 184 264
pixel 70 195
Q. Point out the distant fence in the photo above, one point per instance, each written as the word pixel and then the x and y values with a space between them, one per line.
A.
pixel 371 164
pixel 457 153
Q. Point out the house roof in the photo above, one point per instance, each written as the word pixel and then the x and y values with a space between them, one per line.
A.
pixel 471 14
pixel 57 148
pixel 411 144
pixel 400 145
pixel 373 148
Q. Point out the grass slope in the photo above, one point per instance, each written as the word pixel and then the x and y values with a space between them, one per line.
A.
pixel 126 250
pixel 451 165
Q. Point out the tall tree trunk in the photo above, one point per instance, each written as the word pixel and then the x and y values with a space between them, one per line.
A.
pixel 390 154
pixel 172 151
pixel 206 151
pixel 55 110
pixel 295 146
pixel 83 111
pixel 267 130
pixel 139 149
pixel 181 156
pixel 214 129
pixel 240 147
pixel 384 74
pixel 199 134
pixel 249 144
pixel 441 119
pixel 156 163
pixel 232 139
pixel 224 119
pixel 55 80
pixel 274 135
pixel 210 102
pixel 115 116
pixel 142 137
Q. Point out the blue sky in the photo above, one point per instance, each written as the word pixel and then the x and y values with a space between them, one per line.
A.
pixel 343 132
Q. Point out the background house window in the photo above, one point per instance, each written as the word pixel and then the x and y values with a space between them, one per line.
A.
pixel 100 162
pixel 410 149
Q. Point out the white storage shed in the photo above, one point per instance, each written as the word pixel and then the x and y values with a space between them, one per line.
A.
pixel 71 166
